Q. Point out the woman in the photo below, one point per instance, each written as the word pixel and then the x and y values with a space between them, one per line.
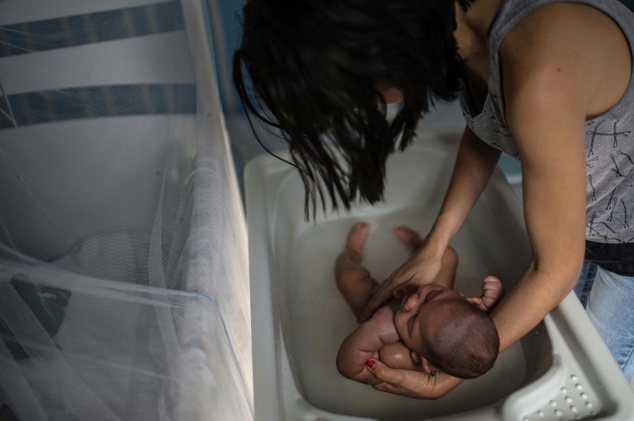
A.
pixel 546 81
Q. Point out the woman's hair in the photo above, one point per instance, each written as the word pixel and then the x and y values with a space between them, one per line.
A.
pixel 315 69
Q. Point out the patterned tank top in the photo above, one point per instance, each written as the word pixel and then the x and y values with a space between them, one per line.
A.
pixel 609 138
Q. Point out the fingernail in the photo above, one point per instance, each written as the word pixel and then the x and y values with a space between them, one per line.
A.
pixel 370 363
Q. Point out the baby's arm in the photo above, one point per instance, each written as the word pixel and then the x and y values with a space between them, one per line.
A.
pixel 364 343
pixel 492 293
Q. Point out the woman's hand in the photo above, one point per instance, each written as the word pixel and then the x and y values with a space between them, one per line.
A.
pixel 422 268
pixel 414 384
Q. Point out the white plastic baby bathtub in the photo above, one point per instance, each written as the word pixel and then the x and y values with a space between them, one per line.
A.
pixel 559 371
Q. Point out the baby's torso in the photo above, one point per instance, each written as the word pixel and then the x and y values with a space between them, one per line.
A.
pixel 397 354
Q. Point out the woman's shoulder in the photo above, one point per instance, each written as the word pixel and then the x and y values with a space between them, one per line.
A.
pixel 571 39
pixel 558 26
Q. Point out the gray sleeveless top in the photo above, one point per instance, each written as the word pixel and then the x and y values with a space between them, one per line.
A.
pixel 609 138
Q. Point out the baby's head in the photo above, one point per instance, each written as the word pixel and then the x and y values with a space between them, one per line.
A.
pixel 452 334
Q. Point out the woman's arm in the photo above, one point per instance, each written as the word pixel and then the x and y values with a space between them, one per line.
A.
pixel 472 170
pixel 548 124
pixel 555 65
pixel 547 94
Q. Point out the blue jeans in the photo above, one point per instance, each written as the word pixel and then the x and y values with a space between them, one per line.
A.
pixel 609 301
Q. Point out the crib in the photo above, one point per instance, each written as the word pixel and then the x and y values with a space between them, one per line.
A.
pixel 130 287
pixel 123 263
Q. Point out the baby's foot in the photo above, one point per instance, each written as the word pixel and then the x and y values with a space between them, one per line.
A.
pixel 410 238
pixel 357 237
pixel 352 254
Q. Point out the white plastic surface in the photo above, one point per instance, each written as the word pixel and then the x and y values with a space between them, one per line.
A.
pixel 299 318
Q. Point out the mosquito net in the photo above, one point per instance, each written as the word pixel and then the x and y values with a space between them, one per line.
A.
pixel 123 267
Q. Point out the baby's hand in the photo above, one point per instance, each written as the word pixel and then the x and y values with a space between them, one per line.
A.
pixel 492 293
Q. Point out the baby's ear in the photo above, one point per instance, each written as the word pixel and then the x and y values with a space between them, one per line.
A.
pixel 416 357
pixel 421 361
pixel 427 367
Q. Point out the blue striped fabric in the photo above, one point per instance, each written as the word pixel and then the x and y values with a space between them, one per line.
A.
pixel 100 101
pixel 93 101
pixel 76 30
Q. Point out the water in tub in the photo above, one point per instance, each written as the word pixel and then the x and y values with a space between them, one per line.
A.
pixel 320 319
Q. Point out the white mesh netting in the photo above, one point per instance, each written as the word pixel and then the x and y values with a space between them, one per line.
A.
pixel 123 267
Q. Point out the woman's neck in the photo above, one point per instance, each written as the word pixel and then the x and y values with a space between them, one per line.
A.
pixel 472 33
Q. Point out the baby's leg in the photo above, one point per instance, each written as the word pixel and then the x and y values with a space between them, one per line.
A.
pixel 354 280
pixel 449 263
pixel 410 238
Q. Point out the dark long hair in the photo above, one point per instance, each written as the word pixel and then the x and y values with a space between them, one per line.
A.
pixel 315 69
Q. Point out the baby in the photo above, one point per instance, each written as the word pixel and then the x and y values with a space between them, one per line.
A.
pixel 434 328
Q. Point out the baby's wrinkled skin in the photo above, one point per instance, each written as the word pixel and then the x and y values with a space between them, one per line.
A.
pixel 397 333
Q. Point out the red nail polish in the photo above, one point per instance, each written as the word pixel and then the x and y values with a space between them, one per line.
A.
pixel 370 363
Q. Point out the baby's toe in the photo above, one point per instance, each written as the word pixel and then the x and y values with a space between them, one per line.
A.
pixel 357 237
pixel 409 237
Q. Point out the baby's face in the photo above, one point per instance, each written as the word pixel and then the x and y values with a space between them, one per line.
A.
pixel 416 318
